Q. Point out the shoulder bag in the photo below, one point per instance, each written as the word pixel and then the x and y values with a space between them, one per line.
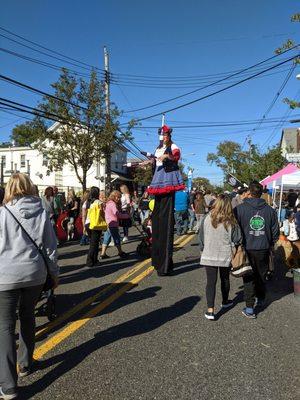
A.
pixel 49 283
pixel 240 265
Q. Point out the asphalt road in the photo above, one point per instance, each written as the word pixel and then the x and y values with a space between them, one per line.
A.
pixel 145 337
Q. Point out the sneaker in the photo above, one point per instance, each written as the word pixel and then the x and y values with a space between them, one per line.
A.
pixel 111 244
pixel 210 316
pixel 227 304
pixel 248 314
pixel 125 239
pixel 9 394
pixel 104 257
pixel 24 371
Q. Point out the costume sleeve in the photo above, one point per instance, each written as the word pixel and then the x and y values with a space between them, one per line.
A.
pixel 176 154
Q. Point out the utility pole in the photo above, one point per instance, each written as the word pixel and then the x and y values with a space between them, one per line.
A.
pixel 250 154
pixel 107 175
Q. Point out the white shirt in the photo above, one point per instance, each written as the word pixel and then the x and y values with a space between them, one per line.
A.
pixel 161 151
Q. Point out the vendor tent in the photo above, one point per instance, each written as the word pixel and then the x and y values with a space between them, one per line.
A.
pixel 289 169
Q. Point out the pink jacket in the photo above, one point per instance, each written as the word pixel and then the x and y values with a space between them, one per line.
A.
pixel 112 214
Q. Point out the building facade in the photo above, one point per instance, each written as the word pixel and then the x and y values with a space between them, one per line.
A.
pixel 36 165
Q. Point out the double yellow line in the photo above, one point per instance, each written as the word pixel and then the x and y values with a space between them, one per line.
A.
pixel 74 326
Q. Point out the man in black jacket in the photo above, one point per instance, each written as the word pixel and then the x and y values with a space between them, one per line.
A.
pixel 260 230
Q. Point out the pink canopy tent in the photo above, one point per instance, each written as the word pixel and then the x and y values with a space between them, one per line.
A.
pixel 289 169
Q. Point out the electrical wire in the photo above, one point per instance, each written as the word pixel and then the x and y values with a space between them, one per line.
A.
pixel 32 89
pixel 220 80
pixel 217 91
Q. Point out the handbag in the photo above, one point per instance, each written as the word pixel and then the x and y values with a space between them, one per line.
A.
pixel 96 217
pixel 125 222
pixel 49 283
pixel 240 265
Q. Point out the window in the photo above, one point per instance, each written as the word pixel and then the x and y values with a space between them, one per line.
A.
pixel 3 161
pixel 23 161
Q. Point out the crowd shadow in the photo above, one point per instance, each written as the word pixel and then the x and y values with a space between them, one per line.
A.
pixel 140 325
pixel 68 301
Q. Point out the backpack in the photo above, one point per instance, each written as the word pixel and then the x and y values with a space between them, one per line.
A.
pixel 96 217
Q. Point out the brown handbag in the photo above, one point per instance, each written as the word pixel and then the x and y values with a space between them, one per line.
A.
pixel 240 265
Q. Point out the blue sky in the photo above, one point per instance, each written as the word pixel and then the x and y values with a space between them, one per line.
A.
pixel 161 39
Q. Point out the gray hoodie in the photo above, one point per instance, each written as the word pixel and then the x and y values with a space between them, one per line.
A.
pixel 21 264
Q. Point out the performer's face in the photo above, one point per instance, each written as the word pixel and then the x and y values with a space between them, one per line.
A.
pixel 166 139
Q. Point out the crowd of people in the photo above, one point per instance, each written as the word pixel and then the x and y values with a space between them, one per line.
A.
pixel 224 222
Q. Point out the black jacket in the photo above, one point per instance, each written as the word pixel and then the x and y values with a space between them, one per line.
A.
pixel 258 222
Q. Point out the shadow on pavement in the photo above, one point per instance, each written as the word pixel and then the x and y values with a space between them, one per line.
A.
pixel 68 301
pixel 137 326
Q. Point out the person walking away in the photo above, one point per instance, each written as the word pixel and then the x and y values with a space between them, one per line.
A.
pixel 84 238
pixel 266 196
pixel 292 198
pixel 126 208
pixel 48 203
pixel 112 216
pixel 57 203
pixel 191 210
pixel 208 198
pixel 239 198
pixel 199 207
pixel 22 276
pixel 260 230
pixel 219 231
pixel 93 234
pixel 73 208
pixel 144 207
pixel 181 212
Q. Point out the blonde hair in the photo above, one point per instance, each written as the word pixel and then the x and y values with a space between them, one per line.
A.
pixel 222 213
pixel 113 195
pixel 19 185
pixel 125 188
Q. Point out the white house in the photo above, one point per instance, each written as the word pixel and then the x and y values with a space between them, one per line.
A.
pixel 290 141
pixel 36 165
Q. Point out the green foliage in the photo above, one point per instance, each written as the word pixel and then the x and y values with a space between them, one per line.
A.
pixel 143 175
pixel 28 133
pixel 85 133
pixel 249 165
pixel 201 183
pixel 292 103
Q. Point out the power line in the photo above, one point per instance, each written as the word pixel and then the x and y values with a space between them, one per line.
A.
pixel 50 50
pixel 218 81
pixel 32 89
pixel 218 91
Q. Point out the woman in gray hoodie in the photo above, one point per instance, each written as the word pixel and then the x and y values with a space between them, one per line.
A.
pixel 219 232
pixel 22 275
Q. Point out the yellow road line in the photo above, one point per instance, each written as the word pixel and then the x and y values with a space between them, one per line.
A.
pixel 63 334
pixel 91 299
pixel 74 326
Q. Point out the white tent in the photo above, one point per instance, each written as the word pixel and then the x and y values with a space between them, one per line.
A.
pixel 285 182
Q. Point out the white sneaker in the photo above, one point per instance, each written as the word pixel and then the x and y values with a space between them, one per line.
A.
pixel 125 239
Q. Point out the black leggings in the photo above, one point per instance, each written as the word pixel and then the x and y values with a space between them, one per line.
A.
pixel 212 277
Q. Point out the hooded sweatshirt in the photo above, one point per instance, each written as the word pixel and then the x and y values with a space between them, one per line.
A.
pixel 21 264
pixel 258 223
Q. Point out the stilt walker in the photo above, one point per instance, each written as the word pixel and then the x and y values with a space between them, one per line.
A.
pixel 166 181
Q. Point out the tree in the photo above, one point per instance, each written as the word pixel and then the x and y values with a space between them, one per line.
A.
pixel 85 133
pixel 201 183
pixel 246 166
pixel 27 133
pixel 143 175
pixel 288 45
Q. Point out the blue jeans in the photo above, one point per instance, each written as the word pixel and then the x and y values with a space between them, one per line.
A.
pixel 181 222
pixel 192 219
pixel 112 233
